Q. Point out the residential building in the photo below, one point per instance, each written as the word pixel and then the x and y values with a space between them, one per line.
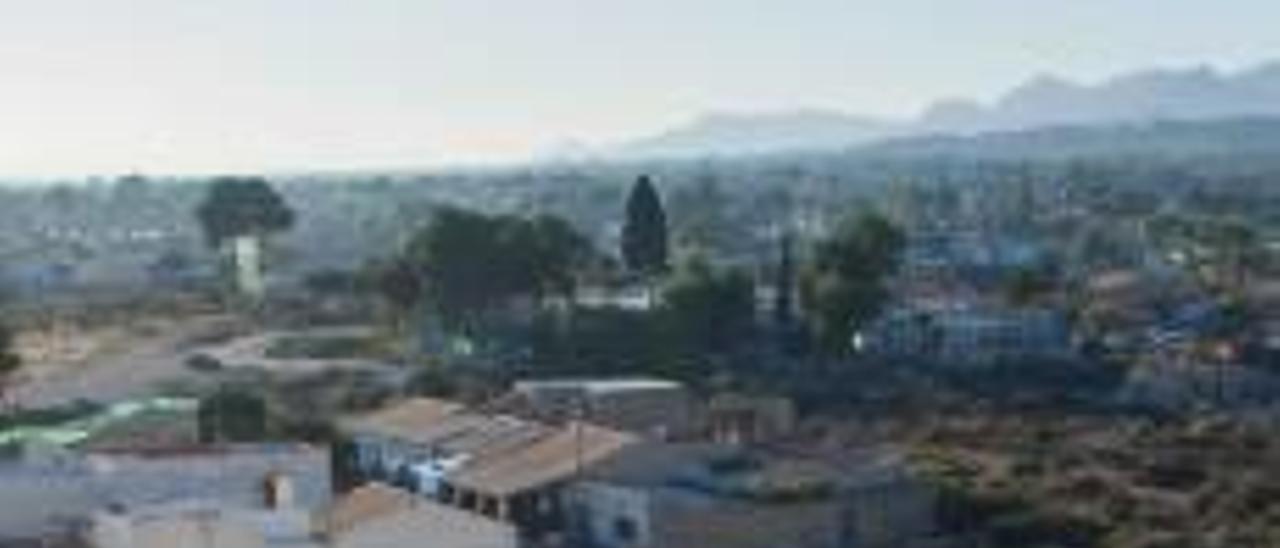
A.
pixel 738 419
pixel 50 495
pixel 655 408
pixel 717 496
pixel 380 516
pixel 501 466
pixel 970 336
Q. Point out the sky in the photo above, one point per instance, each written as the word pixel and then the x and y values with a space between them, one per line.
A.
pixel 238 86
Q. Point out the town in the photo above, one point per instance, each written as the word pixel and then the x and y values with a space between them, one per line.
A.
pixel 645 274
pixel 684 354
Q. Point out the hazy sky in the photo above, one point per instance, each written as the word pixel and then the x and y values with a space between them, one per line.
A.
pixel 109 86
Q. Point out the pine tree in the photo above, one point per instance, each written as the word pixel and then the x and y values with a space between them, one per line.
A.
pixel 783 301
pixel 644 236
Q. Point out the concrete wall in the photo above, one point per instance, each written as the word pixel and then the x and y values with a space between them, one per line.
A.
pixel 610 508
pixel 414 529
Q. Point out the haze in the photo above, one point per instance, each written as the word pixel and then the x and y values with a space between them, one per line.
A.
pixel 170 86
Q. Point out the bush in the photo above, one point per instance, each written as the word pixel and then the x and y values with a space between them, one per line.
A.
pixel 319 348
pixel 232 415
pixel 204 363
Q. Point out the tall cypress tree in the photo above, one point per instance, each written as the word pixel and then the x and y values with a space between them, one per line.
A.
pixel 786 283
pixel 644 236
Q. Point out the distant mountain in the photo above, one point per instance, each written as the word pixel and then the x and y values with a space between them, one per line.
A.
pixel 1249 138
pixel 1169 95
pixel 737 134
pixel 1136 99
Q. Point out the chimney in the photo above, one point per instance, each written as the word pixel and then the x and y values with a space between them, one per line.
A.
pixel 277 491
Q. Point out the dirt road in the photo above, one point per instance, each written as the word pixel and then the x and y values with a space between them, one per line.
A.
pixel 127 369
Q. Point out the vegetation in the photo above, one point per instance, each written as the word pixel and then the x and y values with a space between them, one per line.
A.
pixel 1104 481
pixel 332 347
pixel 471 265
pixel 10 362
pixel 242 206
pixel 712 310
pixel 232 415
pixel 644 233
pixel 845 285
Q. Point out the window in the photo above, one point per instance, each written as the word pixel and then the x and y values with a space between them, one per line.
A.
pixel 624 529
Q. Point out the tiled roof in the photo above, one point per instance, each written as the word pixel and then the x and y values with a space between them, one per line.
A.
pixel 548 460
pixel 397 514
pixel 406 419
pixel 360 506
pixel 505 454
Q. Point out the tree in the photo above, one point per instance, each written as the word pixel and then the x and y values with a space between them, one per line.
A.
pixel 243 207
pixel 557 253
pixel 472 263
pixel 10 362
pixel 644 234
pixel 845 285
pixel 1237 246
pixel 785 286
pixel 1026 285
pixel 459 256
pixel 232 414
pixel 711 309
pixel 400 285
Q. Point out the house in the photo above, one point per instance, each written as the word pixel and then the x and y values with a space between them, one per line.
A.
pixel 51 495
pixel 711 496
pixel 380 516
pixel 373 516
pixel 196 529
pixel 505 467
pixel 630 297
pixel 200 524
pixel 736 419
pixel 977 257
pixel 968 336
pixel 655 408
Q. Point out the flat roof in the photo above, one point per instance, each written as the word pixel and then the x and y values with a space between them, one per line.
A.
pixel 599 385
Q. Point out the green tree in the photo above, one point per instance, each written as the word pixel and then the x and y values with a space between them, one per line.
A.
pixel 1027 285
pixel 232 414
pixel 1237 248
pixel 400 284
pixel 713 310
pixel 473 263
pixel 242 206
pixel 461 259
pixel 644 234
pixel 845 284
pixel 785 285
pixel 10 362
pixel 557 253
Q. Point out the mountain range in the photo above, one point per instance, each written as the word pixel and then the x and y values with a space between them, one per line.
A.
pixel 1136 99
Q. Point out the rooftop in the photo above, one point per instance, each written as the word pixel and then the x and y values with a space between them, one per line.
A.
pixel 385 509
pixel 45 494
pixel 599 386
pixel 548 460
pixel 733 472
pixel 504 454
pixel 405 419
